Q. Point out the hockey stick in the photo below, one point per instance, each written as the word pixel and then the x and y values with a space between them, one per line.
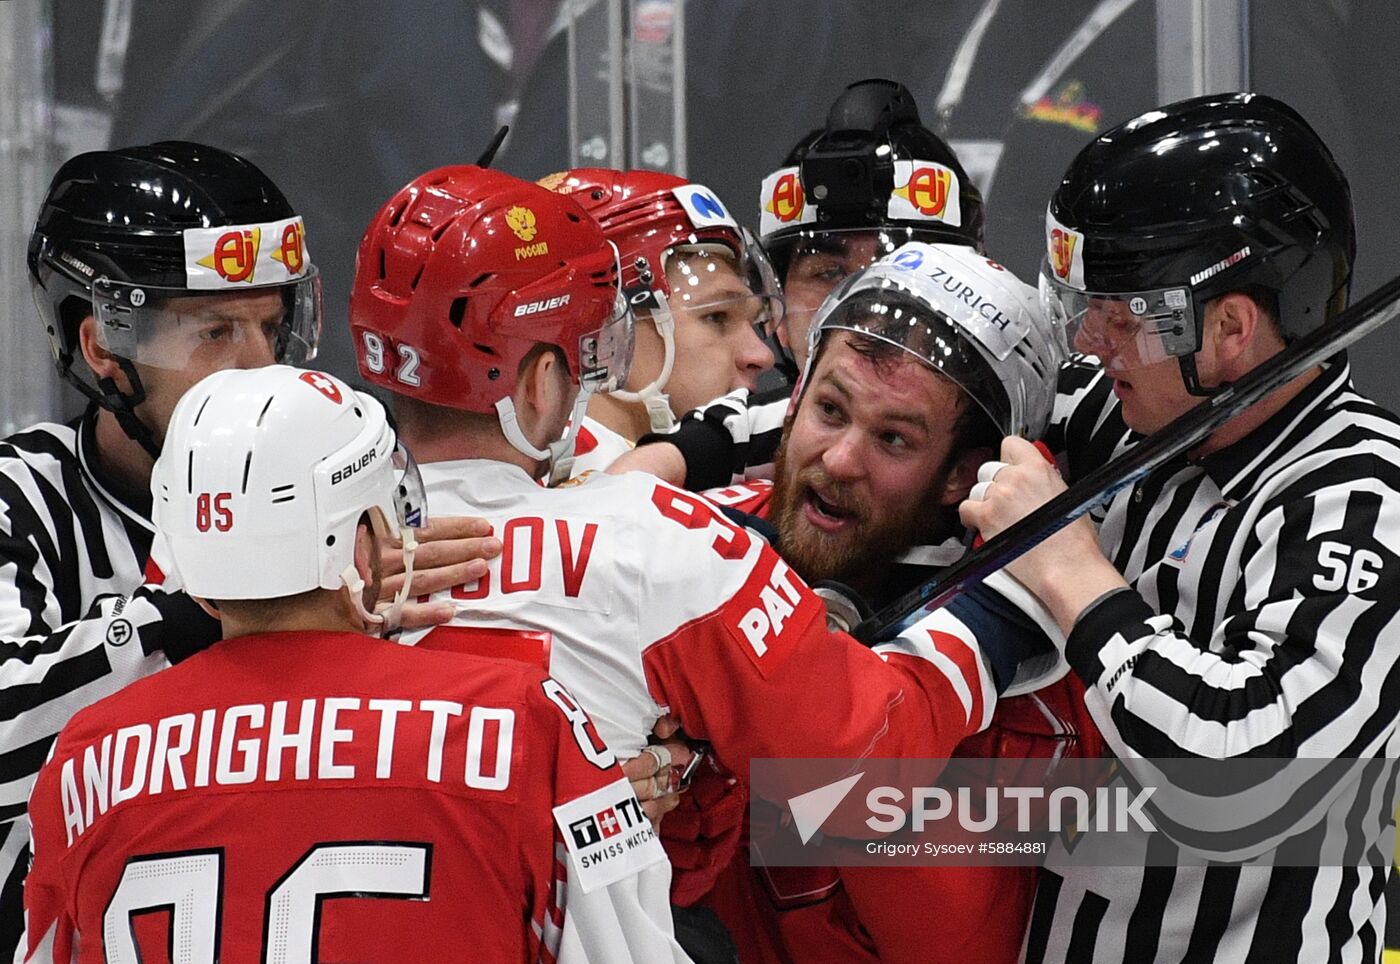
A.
pixel 1103 483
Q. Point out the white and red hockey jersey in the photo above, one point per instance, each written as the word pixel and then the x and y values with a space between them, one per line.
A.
pixel 653 602
pixel 597 447
pixel 328 796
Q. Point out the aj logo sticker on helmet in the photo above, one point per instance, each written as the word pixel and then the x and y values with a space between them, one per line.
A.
pixel 235 255
pixel 783 201
pixel 925 191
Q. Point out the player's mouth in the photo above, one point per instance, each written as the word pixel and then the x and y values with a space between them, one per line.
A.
pixel 825 513
pixel 1121 387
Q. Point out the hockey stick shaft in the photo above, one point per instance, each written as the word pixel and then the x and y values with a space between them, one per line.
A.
pixel 1100 485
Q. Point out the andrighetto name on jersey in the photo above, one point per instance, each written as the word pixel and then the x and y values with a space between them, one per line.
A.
pixel 246 743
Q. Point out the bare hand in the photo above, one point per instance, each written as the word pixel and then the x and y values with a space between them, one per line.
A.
pixel 452 551
pixel 655 773
pixel 1008 491
pixel 661 459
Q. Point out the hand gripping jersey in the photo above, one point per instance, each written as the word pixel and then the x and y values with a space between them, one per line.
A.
pixel 327 796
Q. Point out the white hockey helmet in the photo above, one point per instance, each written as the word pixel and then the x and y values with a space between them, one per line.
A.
pixel 264 476
pixel 962 315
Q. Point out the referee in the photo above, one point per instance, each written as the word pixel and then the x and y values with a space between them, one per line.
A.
pixel 1241 601
pixel 152 267
pixel 155 266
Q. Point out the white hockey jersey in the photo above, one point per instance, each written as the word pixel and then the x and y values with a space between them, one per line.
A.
pixel 597 447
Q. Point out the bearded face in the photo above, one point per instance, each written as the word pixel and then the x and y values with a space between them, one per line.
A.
pixel 866 469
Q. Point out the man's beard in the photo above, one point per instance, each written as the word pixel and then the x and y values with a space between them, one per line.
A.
pixel 861 555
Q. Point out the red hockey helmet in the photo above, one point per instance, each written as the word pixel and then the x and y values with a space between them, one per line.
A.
pixel 669 232
pixel 465 270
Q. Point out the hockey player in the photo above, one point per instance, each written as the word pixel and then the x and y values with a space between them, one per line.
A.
pixel 423 823
pixel 924 361
pixel 640 597
pixel 873 179
pixel 152 266
pixel 1240 602
pixel 701 289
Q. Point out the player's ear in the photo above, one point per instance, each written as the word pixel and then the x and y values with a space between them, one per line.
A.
pixel 210 607
pixel 962 474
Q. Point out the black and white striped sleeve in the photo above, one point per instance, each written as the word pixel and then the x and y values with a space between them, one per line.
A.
pixel 731 439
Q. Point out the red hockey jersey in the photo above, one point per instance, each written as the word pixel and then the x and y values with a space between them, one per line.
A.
pixel 327 796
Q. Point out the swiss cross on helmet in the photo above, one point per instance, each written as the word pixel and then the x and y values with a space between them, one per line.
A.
pixel 123 233
pixel 463 272
pixel 1223 193
pixel 665 226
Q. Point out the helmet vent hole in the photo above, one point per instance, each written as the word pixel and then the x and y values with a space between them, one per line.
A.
pixel 482 279
pixel 397 214
pixel 283 493
pixel 484 349
pixel 330 540
pixel 441 229
pixel 189 474
pixel 413 285
pixel 573 217
pixel 199 414
pixel 457 312
pixel 263 413
pixel 383 273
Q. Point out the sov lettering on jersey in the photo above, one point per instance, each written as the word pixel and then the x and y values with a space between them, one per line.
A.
pixel 549 556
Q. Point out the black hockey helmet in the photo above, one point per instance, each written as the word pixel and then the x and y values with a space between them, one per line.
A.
pixel 1216 194
pixel 874 167
pixel 120 232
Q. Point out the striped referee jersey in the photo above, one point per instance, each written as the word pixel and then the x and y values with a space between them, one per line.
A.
pixel 73 545
pixel 1262 623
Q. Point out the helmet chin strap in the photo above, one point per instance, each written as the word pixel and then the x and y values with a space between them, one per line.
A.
pixel 657 402
pixel 385 620
pixel 559 456
pixel 1192 379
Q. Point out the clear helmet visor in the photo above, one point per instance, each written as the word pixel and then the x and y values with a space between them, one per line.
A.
pixel 715 282
pixel 605 355
pixel 169 328
pixel 1124 330
pixel 889 312
pixel 410 495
